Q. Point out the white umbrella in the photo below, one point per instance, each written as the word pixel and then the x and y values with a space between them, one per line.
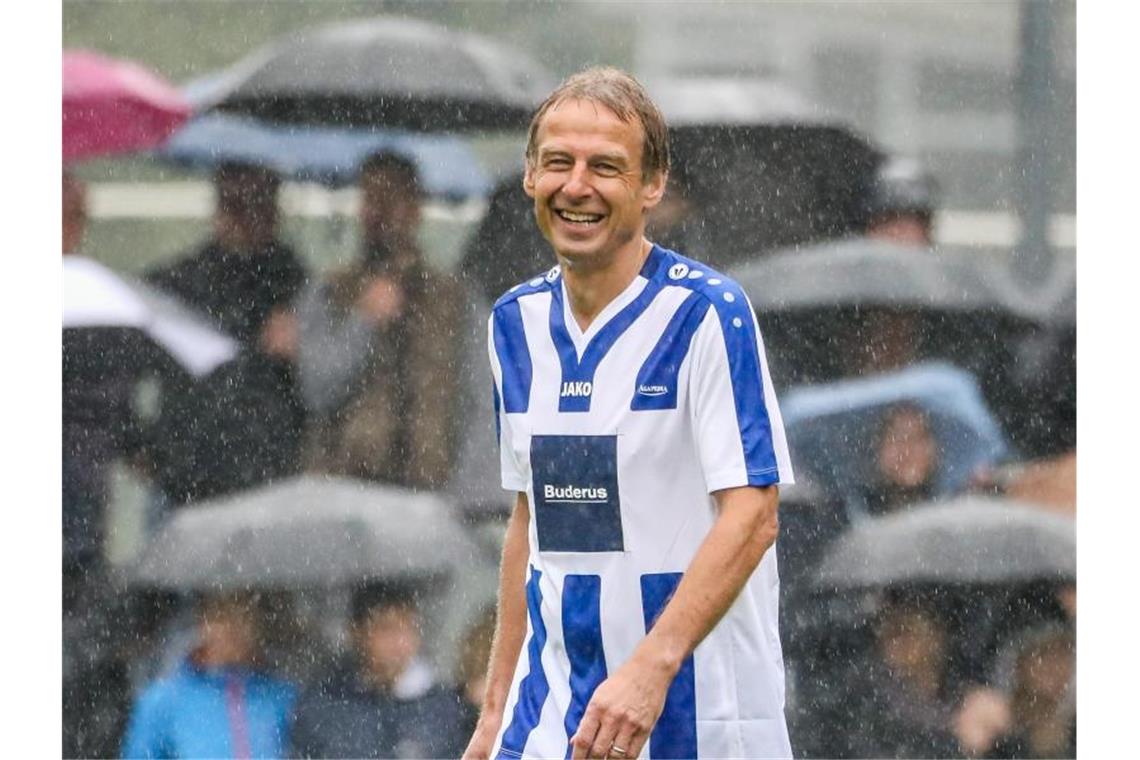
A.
pixel 96 297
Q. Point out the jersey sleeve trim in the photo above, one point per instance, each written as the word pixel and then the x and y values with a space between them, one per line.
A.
pixel 509 339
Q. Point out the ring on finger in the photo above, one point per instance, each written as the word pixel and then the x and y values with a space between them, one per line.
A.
pixel 616 750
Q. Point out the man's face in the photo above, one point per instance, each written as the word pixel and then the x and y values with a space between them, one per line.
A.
pixel 908 453
pixel 249 200
pixel 389 206
pixel 589 198
pixel 389 638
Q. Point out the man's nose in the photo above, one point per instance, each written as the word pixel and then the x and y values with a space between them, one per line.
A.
pixel 578 184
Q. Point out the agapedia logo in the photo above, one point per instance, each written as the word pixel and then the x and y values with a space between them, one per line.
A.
pixel 652 390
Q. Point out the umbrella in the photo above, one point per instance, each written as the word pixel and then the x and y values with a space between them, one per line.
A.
pixel 306 531
pixel 328 155
pixel 829 425
pixel 96 298
pixel 767 167
pixel 385 71
pixel 115 106
pixel 970 540
pixel 825 307
pixel 869 272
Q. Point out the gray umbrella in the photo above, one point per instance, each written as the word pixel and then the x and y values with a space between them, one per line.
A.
pixel 307 531
pixel 972 539
pixel 867 272
pixel 384 71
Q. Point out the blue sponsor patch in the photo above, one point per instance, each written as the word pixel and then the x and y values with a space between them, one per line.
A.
pixel 576 505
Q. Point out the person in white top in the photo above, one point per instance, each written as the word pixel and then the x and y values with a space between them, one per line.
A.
pixel 639 427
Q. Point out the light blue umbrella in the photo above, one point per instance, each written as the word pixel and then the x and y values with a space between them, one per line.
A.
pixel 832 427
pixel 448 167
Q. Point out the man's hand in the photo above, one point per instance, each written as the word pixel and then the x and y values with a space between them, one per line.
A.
pixel 623 711
pixel 983 717
pixel 278 336
pixel 482 741
pixel 382 301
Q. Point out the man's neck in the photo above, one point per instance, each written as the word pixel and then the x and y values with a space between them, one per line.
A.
pixel 591 290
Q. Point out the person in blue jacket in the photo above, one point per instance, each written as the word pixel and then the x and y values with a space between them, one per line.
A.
pixel 215 703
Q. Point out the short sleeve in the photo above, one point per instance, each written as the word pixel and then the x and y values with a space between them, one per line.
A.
pixel 735 415
pixel 511 471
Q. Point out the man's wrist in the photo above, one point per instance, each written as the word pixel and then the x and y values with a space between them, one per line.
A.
pixel 660 655
pixel 489 720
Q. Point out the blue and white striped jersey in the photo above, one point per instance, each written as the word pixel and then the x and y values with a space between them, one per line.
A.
pixel 618 435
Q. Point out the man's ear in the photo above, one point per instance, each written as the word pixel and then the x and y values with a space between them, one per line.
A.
pixel 528 179
pixel 654 190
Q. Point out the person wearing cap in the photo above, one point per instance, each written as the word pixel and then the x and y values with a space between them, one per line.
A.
pixel 382 699
pixel 901 203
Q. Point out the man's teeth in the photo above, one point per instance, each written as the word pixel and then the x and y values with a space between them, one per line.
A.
pixel 574 216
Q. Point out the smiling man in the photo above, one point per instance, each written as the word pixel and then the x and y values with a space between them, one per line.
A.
pixel 640 431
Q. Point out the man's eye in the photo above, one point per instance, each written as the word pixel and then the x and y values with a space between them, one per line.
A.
pixel 557 163
pixel 607 170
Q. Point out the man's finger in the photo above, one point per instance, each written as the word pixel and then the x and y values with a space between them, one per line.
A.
pixel 624 741
pixel 636 741
pixel 605 737
pixel 583 738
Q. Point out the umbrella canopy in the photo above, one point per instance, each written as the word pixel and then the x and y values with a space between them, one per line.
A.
pixel 306 531
pixel 708 101
pixel 766 167
pixel 115 106
pixel 867 272
pixel 970 540
pixel 94 297
pixel 386 71
pixel 447 165
pixel 829 426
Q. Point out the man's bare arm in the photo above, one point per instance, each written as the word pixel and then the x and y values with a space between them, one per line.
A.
pixel 510 630
pixel 625 706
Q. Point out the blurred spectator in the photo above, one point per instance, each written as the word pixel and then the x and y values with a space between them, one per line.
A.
pixel 99 424
pixel 901 202
pixel 101 370
pixel 507 247
pixel 675 223
pixel 909 713
pixel 380 346
pixel 1042 695
pixel 382 699
pixel 471 678
pixel 905 461
pixel 881 340
pixel 215 703
pixel 244 272
pixel 241 425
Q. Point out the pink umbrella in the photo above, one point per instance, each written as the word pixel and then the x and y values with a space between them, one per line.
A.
pixel 115 106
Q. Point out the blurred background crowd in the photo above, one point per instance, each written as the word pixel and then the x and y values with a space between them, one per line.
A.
pixel 281 508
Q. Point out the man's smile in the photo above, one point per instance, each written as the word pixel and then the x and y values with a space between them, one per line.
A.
pixel 578 217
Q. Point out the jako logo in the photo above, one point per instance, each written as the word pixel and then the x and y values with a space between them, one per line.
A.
pixel 574 493
pixel 577 388
pixel 652 390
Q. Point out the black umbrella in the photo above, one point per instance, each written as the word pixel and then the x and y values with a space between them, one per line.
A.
pixel 385 71
pixel 824 307
pixel 766 167
pixel 969 540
